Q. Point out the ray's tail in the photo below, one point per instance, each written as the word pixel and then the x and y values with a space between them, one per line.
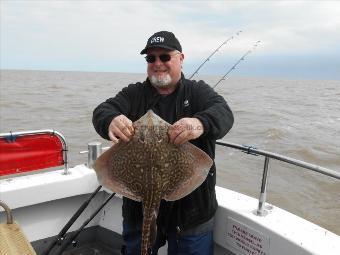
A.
pixel 149 230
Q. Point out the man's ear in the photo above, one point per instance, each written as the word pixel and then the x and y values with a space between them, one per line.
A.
pixel 182 58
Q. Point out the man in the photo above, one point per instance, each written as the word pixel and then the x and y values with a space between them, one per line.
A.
pixel 198 115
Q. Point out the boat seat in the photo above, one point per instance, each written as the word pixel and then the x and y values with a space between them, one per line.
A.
pixel 12 239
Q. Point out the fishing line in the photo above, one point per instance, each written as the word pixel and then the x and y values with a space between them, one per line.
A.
pixel 234 66
pixel 213 53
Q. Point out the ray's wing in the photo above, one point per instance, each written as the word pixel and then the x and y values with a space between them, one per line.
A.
pixel 190 166
pixel 120 169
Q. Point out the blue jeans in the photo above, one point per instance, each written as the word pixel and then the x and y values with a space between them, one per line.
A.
pixel 178 244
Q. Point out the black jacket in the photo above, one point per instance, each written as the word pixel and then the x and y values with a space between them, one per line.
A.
pixel 194 99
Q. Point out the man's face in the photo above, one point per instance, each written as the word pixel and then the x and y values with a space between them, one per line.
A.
pixel 164 74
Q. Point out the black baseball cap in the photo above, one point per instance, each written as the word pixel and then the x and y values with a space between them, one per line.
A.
pixel 162 39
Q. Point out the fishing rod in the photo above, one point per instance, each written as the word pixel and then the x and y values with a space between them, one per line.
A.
pixel 234 66
pixel 62 233
pixel 212 54
pixel 71 239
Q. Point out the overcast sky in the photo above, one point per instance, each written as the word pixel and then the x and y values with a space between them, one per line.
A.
pixel 299 39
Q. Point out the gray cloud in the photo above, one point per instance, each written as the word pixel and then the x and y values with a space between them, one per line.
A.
pixel 114 32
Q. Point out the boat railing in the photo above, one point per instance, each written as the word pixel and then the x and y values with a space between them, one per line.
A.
pixel 12 136
pixel 270 155
pixel 95 150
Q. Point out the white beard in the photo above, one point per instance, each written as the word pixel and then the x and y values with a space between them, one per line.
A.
pixel 160 82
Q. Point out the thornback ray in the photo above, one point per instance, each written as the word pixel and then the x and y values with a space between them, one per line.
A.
pixel 149 168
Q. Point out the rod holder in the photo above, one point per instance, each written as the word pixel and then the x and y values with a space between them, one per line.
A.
pixel 263 195
pixel 94 151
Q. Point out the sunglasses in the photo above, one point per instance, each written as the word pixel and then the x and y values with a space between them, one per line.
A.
pixel 151 58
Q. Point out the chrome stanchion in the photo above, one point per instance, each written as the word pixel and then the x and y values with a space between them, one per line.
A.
pixel 262 199
pixel 94 151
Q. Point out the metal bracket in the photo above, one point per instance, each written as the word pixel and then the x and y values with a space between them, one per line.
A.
pixel 249 149
pixel 11 138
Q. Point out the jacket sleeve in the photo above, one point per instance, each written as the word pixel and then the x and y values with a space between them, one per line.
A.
pixel 214 112
pixel 104 113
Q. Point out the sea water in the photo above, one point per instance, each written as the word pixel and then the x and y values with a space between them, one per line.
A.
pixel 295 118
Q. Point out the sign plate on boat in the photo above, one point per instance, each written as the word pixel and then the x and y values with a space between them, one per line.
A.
pixel 246 239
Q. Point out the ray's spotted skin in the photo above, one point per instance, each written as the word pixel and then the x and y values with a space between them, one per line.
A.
pixel 149 168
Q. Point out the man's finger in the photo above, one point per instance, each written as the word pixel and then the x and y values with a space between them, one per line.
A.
pixel 175 130
pixel 127 131
pixel 182 138
pixel 121 135
pixel 125 125
pixel 121 128
pixel 113 138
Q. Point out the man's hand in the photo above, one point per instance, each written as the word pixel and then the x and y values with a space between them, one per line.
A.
pixel 184 130
pixel 121 128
